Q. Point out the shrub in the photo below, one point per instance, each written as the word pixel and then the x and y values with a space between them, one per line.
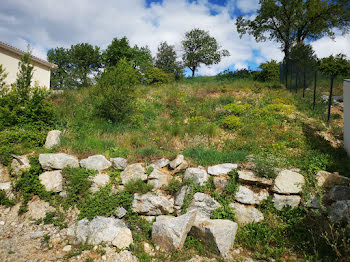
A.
pixel 237 109
pixel 231 122
pixel 104 203
pixel 138 186
pixel 225 212
pixel 155 76
pixel 173 187
pixel 270 72
pixel 77 185
pixel 115 92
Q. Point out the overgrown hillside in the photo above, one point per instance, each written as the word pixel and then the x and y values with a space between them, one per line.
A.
pixel 262 127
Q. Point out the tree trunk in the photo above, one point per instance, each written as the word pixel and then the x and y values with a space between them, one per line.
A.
pixel 193 71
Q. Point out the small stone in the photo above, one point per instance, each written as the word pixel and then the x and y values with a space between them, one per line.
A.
pixel 20 164
pixel 250 178
pixel 119 163
pixel 36 234
pixel 133 172
pixel 177 161
pixel 38 208
pixel 96 162
pixel 2 223
pixel 53 139
pixel 181 167
pixel 160 163
pixel 5 186
pixel 148 249
pixel 99 180
pixel 120 212
pixel 52 180
pixel 281 201
pixel 222 169
pixel 67 248
pixel 250 195
pixel 180 196
pixel 288 182
pixel 197 175
pixel 246 214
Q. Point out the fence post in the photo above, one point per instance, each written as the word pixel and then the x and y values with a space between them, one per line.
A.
pixel 330 100
pixel 296 81
pixel 314 104
pixel 304 87
pixel 291 77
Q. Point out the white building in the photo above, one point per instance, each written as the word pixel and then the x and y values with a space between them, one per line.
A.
pixel 10 57
pixel 346 93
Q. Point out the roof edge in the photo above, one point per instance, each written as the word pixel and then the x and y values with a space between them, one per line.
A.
pixel 21 53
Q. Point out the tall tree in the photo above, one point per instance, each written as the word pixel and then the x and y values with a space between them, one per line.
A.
pixel 85 59
pixel 24 78
pixel 200 48
pixel 118 49
pixel 166 60
pixel 60 75
pixel 293 21
pixel 141 58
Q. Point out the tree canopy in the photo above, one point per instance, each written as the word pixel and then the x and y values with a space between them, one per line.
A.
pixel 200 48
pixel 335 65
pixel 166 60
pixel 293 21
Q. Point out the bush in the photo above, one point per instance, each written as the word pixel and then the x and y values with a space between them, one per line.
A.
pixel 115 92
pixel 138 186
pixel 270 72
pixel 237 109
pixel 173 187
pixel 231 122
pixel 155 76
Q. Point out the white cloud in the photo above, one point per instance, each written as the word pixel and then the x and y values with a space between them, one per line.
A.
pixel 326 46
pixel 48 24
pixel 247 6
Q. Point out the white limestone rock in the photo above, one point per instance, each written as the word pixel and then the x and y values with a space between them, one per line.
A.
pixel 326 179
pixel 169 232
pixel 4 174
pixel 96 162
pixel 220 183
pixel 159 179
pixel 250 195
pixel 177 161
pixel 249 177
pixel 152 204
pixel 20 164
pixel 280 201
pixel 222 169
pixel 57 161
pixel 38 208
pixel 160 163
pixel 98 181
pixel 180 196
pixel 198 175
pixel 52 180
pixel 119 163
pixel 53 139
pixel 204 204
pixel 246 214
pixel 288 182
pixel 133 172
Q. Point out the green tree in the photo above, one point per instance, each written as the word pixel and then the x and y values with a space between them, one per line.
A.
pixel 293 21
pixel 200 48
pixel 303 56
pixel 141 58
pixel 3 76
pixel 85 59
pixel 166 60
pixel 24 78
pixel 60 76
pixel 269 72
pixel 117 50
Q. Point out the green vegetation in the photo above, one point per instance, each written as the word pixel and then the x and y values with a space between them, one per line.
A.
pixel 4 200
pixel 138 186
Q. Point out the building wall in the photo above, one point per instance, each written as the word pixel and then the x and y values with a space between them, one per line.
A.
pixel 346 93
pixel 9 60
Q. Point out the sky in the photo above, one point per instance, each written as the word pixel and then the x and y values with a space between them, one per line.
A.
pixel 45 24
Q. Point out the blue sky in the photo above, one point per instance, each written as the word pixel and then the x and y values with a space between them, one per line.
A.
pixel 47 24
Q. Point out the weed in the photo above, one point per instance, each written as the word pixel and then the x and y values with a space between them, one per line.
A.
pixel 173 187
pixel 4 200
pixel 231 122
pixel 56 218
pixel 138 186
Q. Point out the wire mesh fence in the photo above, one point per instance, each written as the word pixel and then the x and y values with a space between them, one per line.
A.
pixel 309 81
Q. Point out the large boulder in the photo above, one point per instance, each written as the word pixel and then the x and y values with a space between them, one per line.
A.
pixel 280 201
pixel 159 179
pixel 119 163
pixel 20 164
pixel 152 204
pixel 216 232
pixel 198 175
pixel 177 161
pixel 251 195
pixel 246 214
pixel 170 233
pixel 222 169
pixel 52 180
pixel 53 139
pixel 133 172
pixel 108 230
pixel 97 162
pixel 339 211
pixel 288 182
pixel 249 177
pixel 327 180
pixel 57 161
pixel 204 204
